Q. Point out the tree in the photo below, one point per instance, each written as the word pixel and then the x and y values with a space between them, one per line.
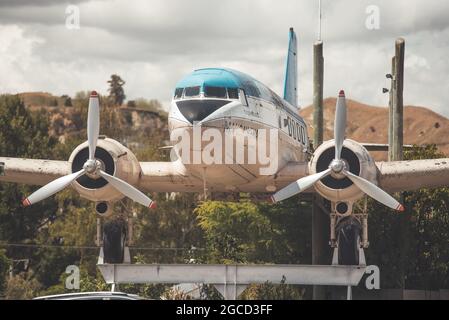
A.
pixel 270 291
pixel 116 91
pixel 4 267
pixel 412 248
pixel 22 287
pixel 246 232
pixel 23 135
pixel 172 225
pixel 67 100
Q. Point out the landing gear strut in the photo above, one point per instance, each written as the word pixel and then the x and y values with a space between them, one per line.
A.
pixel 114 236
pixel 114 241
pixel 349 233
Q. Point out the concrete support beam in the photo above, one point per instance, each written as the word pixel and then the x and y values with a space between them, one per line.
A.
pixel 232 274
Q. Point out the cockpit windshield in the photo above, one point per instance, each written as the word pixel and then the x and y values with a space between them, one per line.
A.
pixel 208 91
pixel 215 92
pixel 233 93
pixel 178 93
pixel 192 91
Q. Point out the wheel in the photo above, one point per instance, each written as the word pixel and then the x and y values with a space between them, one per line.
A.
pixel 114 239
pixel 348 229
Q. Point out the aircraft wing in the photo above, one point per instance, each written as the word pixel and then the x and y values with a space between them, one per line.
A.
pixel 412 175
pixel 393 176
pixel 32 171
pixel 168 177
pixel 155 176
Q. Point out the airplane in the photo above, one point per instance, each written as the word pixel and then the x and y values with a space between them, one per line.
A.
pixel 229 102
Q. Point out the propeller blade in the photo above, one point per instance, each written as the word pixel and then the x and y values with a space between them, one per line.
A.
pixel 374 191
pixel 93 123
pixel 340 124
pixel 128 190
pixel 51 188
pixel 299 186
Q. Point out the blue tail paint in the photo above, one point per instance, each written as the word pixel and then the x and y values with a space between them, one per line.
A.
pixel 291 71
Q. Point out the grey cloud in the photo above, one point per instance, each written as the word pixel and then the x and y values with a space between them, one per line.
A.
pixel 154 43
pixel 22 3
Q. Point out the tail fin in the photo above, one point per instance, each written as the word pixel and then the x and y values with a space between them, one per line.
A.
pixel 291 72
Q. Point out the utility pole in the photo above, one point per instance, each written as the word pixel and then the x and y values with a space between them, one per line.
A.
pixel 320 221
pixel 396 139
pixel 398 129
pixel 318 80
pixel 397 101
pixel 390 109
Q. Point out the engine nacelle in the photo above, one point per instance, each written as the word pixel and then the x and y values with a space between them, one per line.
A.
pixel 357 160
pixel 116 160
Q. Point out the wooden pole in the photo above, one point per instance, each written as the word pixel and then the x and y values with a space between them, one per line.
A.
pixel 318 77
pixel 398 113
pixel 320 222
pixel 390 117
pixel 396 140
pixel 398 102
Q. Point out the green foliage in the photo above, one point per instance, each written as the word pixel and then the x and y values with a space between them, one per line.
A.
pixel 40 99
pixel 419 258
pixel 152 105
pixel 116 91
pixel 172 225
pixel 67 100
pixel 269 291
pixel 22 287
pixel 4 268
pixel 247 232
pixel 23 135
pixel 234 231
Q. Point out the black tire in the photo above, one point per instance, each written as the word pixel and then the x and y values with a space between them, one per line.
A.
pixel 114 239
pixel 348 241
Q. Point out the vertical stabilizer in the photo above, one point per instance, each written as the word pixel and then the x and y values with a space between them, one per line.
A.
pixel 291 72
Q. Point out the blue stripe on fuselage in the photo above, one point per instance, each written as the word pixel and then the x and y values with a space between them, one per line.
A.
pixel 209 77
pixel 229 78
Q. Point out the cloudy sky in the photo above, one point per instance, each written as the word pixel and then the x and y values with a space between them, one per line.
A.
pixel 154 43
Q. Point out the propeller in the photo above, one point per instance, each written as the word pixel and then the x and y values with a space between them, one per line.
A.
pixel 92 166
pixel 338 167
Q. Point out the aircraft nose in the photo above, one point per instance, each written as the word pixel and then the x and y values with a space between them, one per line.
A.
pixel 197 110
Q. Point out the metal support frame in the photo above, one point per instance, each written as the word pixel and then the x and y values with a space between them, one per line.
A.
pixel 126 258
pixel 361 215
pixel 231 280
pixel 364 243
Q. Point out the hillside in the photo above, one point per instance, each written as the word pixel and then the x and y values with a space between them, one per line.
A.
pixel 370 124
pixel 365 123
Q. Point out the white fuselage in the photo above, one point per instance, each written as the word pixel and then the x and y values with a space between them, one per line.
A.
pixel 244 121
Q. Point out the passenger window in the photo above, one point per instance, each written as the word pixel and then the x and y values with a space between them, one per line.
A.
pixel 243 99
pixel 178 93
pixel 192 92
pixel 215 92
pixel 233 93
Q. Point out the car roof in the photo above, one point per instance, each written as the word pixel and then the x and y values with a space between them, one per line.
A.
pixel 98 295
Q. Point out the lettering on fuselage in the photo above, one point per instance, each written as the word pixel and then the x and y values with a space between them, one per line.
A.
pixel 296 130
pixel 230 125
